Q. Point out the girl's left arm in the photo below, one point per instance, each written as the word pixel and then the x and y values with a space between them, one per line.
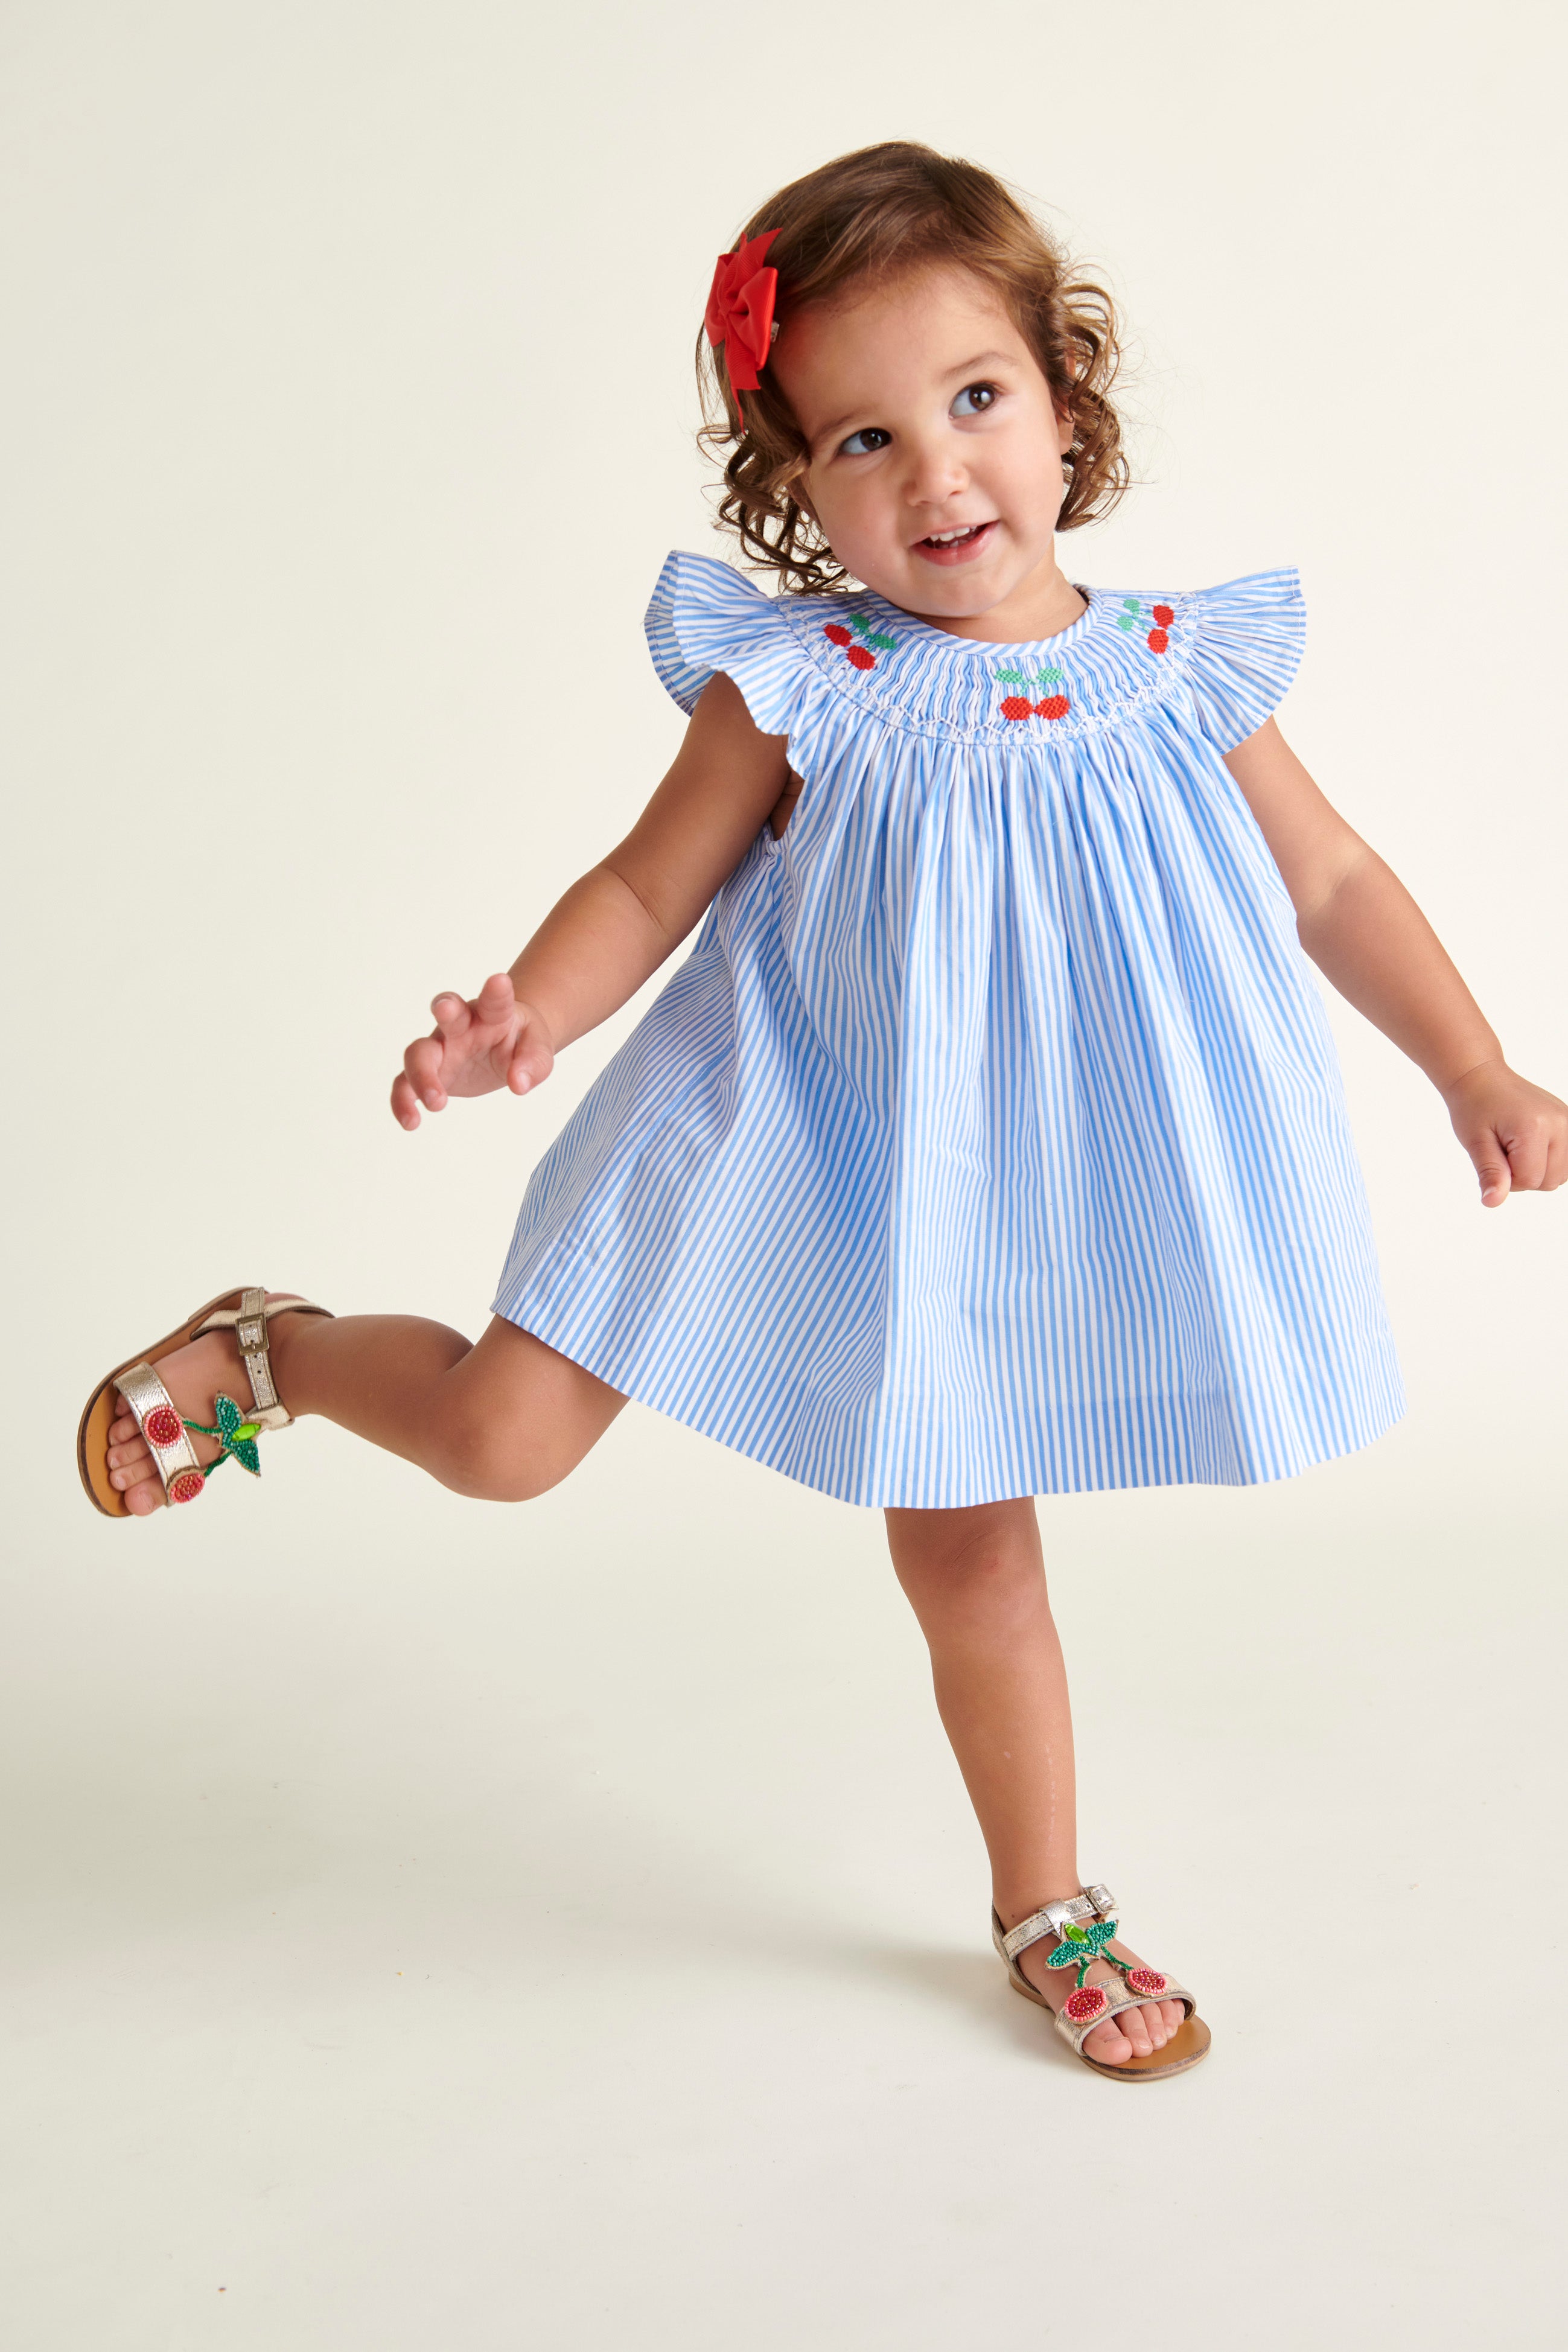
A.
pixel 1362 929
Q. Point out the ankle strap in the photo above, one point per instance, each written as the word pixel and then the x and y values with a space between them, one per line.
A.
pixel 1071 1910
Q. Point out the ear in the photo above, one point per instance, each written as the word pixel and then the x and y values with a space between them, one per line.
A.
pixel 795 488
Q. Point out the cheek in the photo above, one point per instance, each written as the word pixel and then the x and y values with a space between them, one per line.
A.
pixel 848 510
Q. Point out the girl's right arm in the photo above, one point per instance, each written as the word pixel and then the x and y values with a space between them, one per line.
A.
pixel 613 929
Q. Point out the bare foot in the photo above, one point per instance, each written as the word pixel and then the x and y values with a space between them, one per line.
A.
pixel 1131 2032
pixel 193 1377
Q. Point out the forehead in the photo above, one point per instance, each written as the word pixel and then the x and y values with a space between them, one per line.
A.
pixel 893 335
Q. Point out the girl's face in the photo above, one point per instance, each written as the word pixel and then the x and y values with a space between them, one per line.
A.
pixel 935 454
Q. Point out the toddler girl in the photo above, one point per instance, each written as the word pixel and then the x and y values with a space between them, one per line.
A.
pixel 990 1141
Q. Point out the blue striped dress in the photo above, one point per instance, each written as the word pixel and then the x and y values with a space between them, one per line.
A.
pixel 991 1141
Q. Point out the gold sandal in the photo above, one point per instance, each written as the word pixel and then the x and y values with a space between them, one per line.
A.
pixel 1087 2005
pixel 247 1314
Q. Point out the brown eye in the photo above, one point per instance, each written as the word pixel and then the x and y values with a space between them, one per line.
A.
pixel 974 400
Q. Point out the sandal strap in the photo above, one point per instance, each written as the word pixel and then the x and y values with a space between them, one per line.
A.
pixel 1093 1903
pixel 1076 2032
pixel 249 1323
pixel 157 1417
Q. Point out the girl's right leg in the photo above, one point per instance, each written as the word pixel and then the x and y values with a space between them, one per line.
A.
pixel 504 1420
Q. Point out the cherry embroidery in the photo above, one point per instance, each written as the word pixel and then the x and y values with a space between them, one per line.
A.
pixel 1087 2002
pixel 1148 1981
pixel 185 1485
pixel 1133 615
pixel 862 655
pixel 1018 706
pixel 162 1426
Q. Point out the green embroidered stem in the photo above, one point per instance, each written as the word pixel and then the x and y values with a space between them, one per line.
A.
pixel 863 628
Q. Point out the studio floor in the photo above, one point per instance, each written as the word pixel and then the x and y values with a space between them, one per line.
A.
pixel 431 1926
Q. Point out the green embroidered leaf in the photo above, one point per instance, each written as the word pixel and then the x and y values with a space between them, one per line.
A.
pixel 247 1453
pixel 228 1416
pixel 1130 604
pixel 1064 1957
pixel 1050 677
pixel 1008 677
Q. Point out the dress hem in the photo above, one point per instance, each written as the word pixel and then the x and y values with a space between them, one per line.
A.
pixel 1143 1477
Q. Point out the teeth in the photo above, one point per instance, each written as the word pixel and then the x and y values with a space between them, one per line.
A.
pixel 946 538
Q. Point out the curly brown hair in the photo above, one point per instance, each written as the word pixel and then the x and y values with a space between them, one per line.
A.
pixel 876 214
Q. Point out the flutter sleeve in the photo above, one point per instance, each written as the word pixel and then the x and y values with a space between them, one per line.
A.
pixel 1244 651
pixel 705 617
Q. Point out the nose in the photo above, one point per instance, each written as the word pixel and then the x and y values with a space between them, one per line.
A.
pixel 937 470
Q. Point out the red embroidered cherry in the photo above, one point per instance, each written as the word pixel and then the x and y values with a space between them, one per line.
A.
pixel 1055 705
pixel 1148 1981
pixel 836 635
pixel 1164 615
pixel 185 1485
pixel 1158 641
pixel 162 1426
pixel 1086 2002
pixel 1017 706
pixel 858 658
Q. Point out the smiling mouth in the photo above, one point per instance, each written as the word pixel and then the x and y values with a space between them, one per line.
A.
pixel 954 546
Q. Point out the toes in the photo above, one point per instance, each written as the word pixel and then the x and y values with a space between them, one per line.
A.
pixel 1134 2025
pixel 127 1450
pixel 122 1429
pixel 134 1474
pixel 145 1497
pixel 1109 2044
pixel 1173 2013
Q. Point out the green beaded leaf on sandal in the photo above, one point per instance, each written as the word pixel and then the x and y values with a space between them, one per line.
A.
pixel 1080 1945
pixel 234 1434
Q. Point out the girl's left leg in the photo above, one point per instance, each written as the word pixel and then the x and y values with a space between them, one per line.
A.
pixel 976 1580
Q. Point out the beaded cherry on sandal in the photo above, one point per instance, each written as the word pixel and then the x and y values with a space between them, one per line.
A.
pixel 247 1314
pixel 1088 2005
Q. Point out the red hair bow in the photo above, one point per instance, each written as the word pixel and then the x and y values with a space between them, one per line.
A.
pixel 740 313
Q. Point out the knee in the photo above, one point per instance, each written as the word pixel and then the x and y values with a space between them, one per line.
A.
pixel 493 1463
pixel 984 1574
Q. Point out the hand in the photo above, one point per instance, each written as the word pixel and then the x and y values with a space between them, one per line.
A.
pixel 1516 1134
pixel 495 1041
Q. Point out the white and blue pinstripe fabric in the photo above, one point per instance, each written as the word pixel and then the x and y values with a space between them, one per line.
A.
pixel 991 1141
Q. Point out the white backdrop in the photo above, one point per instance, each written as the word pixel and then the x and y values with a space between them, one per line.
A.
pixel 348 413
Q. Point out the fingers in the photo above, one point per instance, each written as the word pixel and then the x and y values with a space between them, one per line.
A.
pixel 532 1057
pixel 497 1000
pixel 1528 1153
pixel 1492 1166
pixel 405 1103
pixel 423 1065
